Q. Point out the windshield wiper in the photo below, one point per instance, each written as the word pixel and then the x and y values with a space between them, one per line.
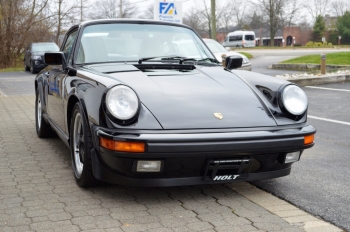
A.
pixel 180 58
pixel 163 58
pixel 183 59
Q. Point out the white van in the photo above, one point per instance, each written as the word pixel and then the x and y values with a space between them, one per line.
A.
pixel 240 39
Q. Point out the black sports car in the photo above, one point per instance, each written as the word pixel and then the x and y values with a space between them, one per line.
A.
pixel 145 103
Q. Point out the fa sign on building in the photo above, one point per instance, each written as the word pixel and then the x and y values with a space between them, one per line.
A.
pixel 169 11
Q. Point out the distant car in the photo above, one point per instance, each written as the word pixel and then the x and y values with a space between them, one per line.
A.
pixel 219 50
pixel 240 39
pixel 34 54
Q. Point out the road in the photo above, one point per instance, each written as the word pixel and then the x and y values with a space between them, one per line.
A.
pixel 265 57
pixel 319 183
pixel 45 192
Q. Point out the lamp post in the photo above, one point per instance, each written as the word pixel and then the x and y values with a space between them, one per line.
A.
pixel 339 38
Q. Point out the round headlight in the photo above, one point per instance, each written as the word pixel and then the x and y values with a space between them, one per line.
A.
pixel 122 102
pixel 36 58
pixel 294 100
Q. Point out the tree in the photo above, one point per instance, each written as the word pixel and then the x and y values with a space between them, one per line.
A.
pixel 113 9
pixel 238 9
pixel 339 7
pixel 257 21
pixel 319 28
pixel 192 19
pixel 343 26
pixel 316 7
pixel 148 12
pixel 279 13
pixel 204 13
pixel 21 22
pixel 65 14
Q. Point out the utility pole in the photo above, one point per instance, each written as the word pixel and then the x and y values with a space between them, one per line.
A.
pixel 120 8
pixel 81 10
pixel 213 20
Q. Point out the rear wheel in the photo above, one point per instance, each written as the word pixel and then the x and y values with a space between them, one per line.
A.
pixel 81 145
pixel 43 129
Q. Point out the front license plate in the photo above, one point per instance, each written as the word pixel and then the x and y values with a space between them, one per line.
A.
pixel 227 169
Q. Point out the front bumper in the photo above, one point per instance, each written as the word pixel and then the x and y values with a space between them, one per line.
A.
pixel 38 65
pixel 186 156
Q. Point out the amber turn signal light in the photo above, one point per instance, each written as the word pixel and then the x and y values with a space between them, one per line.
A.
pixel 309 139
pixel 122 146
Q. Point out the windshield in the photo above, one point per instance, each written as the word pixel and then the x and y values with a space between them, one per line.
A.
pixel 131 42
pixel 49 47
pixel 215 46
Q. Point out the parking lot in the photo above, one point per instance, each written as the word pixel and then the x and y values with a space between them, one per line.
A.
pixel 39 193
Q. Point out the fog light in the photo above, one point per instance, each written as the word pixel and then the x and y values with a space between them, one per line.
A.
pixel 37 62
pixel 148 166
pixel 292 157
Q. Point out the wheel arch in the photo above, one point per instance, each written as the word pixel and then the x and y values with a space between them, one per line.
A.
pixel 73 99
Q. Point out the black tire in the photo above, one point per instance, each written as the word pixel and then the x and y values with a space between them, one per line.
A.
pixel 43 129
pixel 80 146
pixel 26 68
pixel 32 69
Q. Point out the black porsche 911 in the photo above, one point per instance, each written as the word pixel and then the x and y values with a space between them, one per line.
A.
pixel 146 103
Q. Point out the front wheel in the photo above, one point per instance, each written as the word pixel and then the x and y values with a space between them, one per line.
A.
pixel 26 68
pixel 43 129
pixel 80 146
pixel 32 70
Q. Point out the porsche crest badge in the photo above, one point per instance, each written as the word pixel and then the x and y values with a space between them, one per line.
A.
pixel 218 116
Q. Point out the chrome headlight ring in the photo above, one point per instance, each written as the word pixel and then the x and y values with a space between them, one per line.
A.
pixel 122 104
pixel 293 100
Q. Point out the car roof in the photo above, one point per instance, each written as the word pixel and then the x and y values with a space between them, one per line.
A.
pixel 127 20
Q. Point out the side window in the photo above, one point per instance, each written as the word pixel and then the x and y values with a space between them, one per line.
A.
pixel 68 46
pixel 232 38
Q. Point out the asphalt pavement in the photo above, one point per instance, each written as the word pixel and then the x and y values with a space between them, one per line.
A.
pixel 319 182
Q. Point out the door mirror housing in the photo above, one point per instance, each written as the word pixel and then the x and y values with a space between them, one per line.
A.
pixel 233 62
pixel 228 48
pixel 55 58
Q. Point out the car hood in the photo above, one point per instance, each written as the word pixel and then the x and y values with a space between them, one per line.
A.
pixel 219 54
pixel 180 100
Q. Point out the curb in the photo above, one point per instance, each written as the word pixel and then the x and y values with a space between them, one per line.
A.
pixel 282 209
pixel 306 67
pixel 321 80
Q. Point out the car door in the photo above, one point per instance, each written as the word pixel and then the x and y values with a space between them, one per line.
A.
pixel 57 92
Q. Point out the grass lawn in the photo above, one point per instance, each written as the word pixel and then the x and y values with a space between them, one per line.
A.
pixel 248 55
pixel 12 69
pixel 339 58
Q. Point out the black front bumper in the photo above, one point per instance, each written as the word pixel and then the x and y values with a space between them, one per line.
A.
pixel 38 65
pixel 186 156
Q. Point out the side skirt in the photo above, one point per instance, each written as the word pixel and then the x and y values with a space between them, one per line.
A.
pixel 58 130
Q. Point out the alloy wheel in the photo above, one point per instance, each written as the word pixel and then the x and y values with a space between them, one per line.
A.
pixel 78 144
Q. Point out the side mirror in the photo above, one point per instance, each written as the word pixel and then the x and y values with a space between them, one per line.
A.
pixel 228 48
pixel 55 58
pixel 233 62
